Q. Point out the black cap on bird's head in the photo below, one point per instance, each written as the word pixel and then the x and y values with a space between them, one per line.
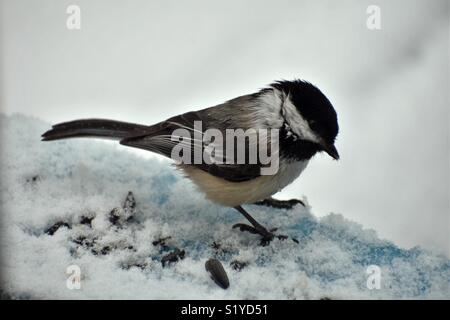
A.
pixel 309 114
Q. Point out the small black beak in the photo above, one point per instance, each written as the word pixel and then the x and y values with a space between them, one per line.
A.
pixel 331 150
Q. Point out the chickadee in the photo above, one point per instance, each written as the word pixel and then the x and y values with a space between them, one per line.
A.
pixel 302 114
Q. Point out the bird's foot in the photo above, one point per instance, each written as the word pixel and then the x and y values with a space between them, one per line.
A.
pixel 267 235
pixel 279 204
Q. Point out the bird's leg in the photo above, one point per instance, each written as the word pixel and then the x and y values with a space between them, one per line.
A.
pixel 279 204
pixel 256 228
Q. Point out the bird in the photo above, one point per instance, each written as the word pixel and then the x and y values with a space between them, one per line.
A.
pixel 303 117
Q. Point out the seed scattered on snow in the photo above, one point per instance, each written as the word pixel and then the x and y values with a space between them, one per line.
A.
pixel 161 241
pixel 51 231
pixel 129 206
pixel 86 220
pixel 238 265
pixel 120 216
pixel 172 257
pixel 217 273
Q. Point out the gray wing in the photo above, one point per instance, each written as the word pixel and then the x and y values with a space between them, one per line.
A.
pixel 158 138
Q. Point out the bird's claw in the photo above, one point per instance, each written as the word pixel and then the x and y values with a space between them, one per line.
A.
pixel 267 235
pixel 246 227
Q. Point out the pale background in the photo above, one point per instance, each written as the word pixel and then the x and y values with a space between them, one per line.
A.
pixel 145 61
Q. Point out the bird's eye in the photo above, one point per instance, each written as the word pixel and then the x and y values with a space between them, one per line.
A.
pixel 313 124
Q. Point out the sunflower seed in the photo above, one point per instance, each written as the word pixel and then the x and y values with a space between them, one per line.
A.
pixel 51 231
pixel 172 257
pixel 217 273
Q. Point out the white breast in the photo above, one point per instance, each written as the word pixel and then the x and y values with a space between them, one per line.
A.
pixel 232 194
pixel 288 171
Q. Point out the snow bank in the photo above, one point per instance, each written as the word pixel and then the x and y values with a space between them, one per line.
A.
pixel 76 184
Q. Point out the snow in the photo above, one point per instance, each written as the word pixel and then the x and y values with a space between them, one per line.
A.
pixel 43 183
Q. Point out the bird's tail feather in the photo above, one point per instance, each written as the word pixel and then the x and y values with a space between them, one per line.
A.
pixel 96 128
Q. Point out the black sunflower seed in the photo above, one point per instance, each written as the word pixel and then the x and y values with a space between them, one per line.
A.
pixel 129 205
pixel 86 220
pixel 217 273
pixel 238 265
pixel 51 231
pixel 174 256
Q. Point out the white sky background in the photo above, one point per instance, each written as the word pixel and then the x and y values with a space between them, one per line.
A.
pixel 144 61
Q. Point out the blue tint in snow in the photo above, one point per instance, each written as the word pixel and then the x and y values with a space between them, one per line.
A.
pixel 77 178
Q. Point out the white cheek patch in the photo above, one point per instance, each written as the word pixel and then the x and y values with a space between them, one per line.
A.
pixel 297 123
pixel 266 113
